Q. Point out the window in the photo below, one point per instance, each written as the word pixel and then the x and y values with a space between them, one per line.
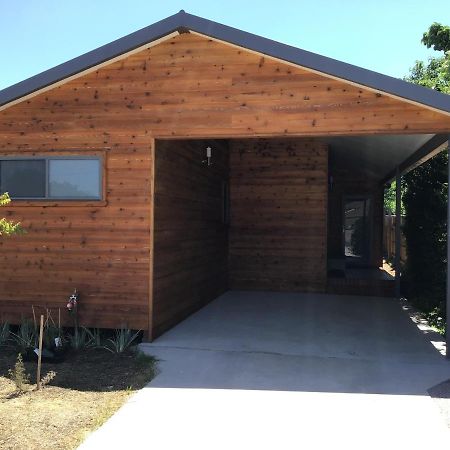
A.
pixel 357 228
pixel 23 178
pixel 52 178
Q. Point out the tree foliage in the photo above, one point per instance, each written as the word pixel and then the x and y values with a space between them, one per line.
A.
pixel 389 199
pixel 436 73
pixel 7 227
pixel 425 193
pixel 438 37
pixel 425 230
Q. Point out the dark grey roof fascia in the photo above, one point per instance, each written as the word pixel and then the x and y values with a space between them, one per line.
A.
pixel 424 151
pixel 183 21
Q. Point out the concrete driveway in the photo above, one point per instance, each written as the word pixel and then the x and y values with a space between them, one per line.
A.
pixel 260 370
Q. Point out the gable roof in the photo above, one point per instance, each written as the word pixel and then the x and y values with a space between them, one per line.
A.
pixel 183 22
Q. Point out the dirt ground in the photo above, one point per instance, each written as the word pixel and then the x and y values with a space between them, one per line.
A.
pixel 89 387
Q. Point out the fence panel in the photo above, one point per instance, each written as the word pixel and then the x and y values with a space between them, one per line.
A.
pixel 389 239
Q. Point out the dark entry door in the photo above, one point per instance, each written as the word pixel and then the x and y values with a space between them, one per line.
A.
pixel 357 230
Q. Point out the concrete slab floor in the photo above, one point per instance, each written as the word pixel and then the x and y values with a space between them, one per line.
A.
pixel 281 370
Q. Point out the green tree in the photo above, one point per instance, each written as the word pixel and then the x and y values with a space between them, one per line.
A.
pixel 438 37
pixel 425 231
pixel 389 199
pixel 425 194
pixel 436 73
pixel 6 226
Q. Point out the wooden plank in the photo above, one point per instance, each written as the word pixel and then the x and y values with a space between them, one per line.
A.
pixel 278 232
pixel 190 238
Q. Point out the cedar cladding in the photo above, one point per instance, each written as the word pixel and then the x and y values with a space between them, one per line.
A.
pixel 278 214
pixel 190 234
pixel 187 86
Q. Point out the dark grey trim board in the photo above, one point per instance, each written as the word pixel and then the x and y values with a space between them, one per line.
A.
pixel 424 151
pixel 183 22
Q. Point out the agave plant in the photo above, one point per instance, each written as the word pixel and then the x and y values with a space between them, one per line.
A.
pixel 79 339
pixel 26 336
pixel 94 337
pixel 4 333
pixel 123 338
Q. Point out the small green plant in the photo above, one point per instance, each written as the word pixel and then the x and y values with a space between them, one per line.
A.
pixel 18 375
pixel 436 320
pixel 79 339
pixel 4 333
pixel 26 336
pixel 94 337
pixel 122 341
pixel 7 228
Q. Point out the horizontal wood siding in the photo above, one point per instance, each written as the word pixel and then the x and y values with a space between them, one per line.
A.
pixel 190 236
pixel 191 86
pixel 187 86
pixel 103 249
pixel 278 214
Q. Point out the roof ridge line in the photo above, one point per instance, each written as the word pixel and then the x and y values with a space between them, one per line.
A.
pixel 183 21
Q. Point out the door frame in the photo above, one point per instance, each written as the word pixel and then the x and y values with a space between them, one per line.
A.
pixel 349 260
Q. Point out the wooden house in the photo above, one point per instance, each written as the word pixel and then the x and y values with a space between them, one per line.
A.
pixel 188 158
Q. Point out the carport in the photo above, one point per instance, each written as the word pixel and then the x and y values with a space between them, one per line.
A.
pixel 264 192
pixel 227 162
pixel 268 214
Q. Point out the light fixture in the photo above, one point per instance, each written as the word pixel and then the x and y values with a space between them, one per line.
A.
pixel 207 161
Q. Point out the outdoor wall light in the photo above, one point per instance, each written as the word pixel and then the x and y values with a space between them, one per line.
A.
pixel 207 161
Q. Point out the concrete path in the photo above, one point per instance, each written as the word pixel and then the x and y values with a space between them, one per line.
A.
pixel 258 370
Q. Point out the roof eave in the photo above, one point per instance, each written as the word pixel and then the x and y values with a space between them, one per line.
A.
pixel 319 63
pixel 182 22
pixel 91 59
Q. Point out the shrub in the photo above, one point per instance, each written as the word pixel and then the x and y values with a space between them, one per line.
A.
pixel 79 339
pixel 122 340
pixel 26 336
pixel 18 375
pixel 4 333
pixel 47 378
pixel 94 337
pixel 425 230
pixel 7 227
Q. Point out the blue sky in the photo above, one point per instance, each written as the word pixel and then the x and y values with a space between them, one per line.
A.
pixel 382 35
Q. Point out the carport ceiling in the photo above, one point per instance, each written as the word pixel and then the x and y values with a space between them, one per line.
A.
pixel 376 156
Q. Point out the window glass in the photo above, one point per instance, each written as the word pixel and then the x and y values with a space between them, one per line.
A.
pixel 23 178
pixel 74 178
pixel 356 228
